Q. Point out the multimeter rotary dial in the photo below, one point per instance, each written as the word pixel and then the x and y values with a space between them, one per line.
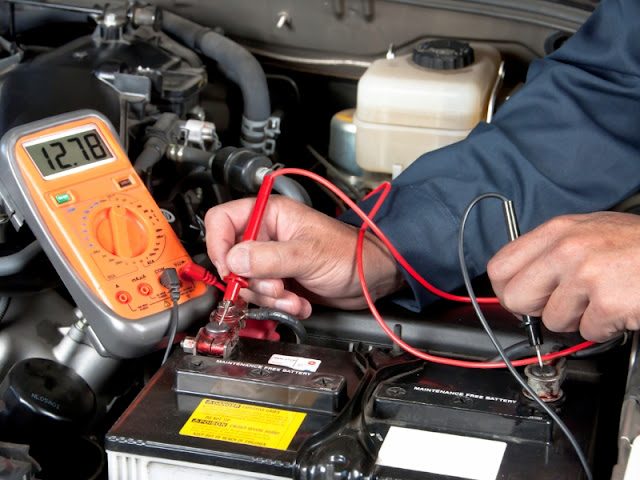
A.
pixel 121 232
pixel 126 229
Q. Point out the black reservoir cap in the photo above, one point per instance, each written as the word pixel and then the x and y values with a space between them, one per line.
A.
pixel 39 393
pixel 443 54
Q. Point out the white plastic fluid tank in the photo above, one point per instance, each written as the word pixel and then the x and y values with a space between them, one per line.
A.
pixel 415 103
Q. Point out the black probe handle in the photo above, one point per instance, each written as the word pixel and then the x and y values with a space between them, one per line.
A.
pixel 534 329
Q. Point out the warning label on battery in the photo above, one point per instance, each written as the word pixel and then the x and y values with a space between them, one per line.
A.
pixel 246 424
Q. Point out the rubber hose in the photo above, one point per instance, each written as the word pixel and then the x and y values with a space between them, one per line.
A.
pixel 292 189
pixel 181 51
pixel 16 262
pixel 156 144
pixel 235 61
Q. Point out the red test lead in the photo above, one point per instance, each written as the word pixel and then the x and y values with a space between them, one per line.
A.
pixel 236 282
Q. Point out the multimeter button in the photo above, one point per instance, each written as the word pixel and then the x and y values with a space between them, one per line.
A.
pixel 124 182
pixel 145 289
pixel 123 297
pixel 63 198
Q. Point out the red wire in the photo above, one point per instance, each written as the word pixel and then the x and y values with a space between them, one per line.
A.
pixel 387 243
pixel 434 358
pixel 193 271
pixel 367 219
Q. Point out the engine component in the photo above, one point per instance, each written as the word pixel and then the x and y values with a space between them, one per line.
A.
pixel 73 74
pixel 157 139
pixel 47 406
pixel 130 89
pixel 405 109
pixel 259 129
pixel 69 179
pixel 240 168
pixel 201 133
pixel 43 395
pixel 80 350
pixel 342 142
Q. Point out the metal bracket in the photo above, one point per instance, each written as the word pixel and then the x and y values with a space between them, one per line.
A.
pixel 261 136
pixel 271 132
pixel 14 58
pixel 364 8
pixel 130 89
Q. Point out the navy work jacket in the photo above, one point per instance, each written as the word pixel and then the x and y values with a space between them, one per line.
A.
pixel 567 142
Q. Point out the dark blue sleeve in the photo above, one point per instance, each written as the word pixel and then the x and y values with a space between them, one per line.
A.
pixel 568 141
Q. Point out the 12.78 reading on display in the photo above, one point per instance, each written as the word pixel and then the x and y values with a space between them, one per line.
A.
pixel 65 153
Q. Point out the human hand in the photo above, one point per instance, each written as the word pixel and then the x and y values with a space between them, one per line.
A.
pixel 301 256
pixel 577 272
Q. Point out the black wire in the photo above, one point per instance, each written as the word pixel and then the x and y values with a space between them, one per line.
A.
pixel 600 348
pixel 515 351
pixel 281 317
pixel 173 328
pixel 524 349
pixel 476 306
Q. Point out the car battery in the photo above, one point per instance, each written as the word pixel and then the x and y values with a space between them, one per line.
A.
pixel 477 424
pixel 278 410
pixel 244 417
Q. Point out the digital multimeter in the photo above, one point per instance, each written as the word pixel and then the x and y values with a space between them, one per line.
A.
pixel 69 179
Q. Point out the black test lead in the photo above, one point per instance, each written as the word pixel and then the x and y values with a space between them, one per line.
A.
pixel 530 323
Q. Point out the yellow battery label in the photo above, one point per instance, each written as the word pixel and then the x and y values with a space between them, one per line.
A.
pixel 246 424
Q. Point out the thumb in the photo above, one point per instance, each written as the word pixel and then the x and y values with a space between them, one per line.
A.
pixel 289 259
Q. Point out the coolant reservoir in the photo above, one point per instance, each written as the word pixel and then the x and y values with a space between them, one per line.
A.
pixel 419 102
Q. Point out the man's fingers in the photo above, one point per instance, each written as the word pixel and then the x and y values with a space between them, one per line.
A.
pixel 516 256
pixel 223 224
pixel 565 308
pixel 288 259
pixel 529 290
pixel 596 328
pixel 268 287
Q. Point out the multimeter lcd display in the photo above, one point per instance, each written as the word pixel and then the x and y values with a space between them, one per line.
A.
pixel 62 154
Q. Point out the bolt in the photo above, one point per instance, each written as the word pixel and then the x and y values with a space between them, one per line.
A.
pixel 110 19
pixel 259 372
pixel 462 400
pixel 188 344
pixel 284 20
pixel 196 362
pixel 396 392
pixel 324 381
pixel 338 460
pixel 391 54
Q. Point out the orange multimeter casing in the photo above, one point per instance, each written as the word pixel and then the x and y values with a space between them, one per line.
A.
pixel 76 189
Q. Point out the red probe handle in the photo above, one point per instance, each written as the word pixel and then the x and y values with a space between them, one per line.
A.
pixel 236 282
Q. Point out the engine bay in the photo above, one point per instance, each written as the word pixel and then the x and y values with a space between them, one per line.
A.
pixel 204 102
